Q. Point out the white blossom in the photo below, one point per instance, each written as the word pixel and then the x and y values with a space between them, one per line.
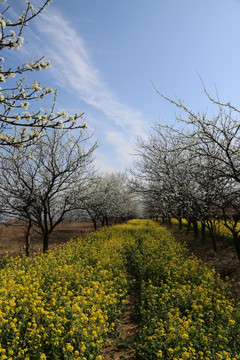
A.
pixel 20 38
pixel 2 23
pixel 12 33
pixel 36 86
pixel 24 105
pixel 2 78
pixel 11 75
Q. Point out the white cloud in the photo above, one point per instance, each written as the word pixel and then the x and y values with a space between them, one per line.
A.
pixel 74 71
pixel 73 68
pixel 104 163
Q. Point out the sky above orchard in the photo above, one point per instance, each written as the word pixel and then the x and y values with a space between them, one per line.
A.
pixel 106 54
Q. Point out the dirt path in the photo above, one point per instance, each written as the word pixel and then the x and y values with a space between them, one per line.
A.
pixel 121 347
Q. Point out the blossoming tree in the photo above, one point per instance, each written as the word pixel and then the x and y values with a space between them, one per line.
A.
pixel 43 183
pixel 109 200
pixel 176 182
pixel 196 166
pixel 20 123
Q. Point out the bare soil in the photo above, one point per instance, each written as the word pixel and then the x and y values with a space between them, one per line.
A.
pixel 12 236
pixel 121 348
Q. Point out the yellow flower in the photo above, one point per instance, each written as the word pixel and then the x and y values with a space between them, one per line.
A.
pixel 159 354
pixel 69 347
pixel 185 336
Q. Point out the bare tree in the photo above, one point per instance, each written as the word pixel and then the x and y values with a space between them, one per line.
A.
pixel 46 181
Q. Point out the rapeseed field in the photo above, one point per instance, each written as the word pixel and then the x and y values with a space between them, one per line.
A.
pixel 67 303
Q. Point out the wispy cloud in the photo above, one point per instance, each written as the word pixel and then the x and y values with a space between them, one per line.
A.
pixel 73 68
pixel 74 71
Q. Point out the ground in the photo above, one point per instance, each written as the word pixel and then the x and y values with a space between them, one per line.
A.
pixel 12 236
pixel 121 348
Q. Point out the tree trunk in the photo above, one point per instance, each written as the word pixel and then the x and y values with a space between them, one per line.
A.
pixel 214 243
pixel 188 226
pixel 45 241
pixel 203 231
pixel 180 223
pixel 211 228
pixel 28 237
pixel 107 221
pixel 195 229
pixel 236 241
pixel 94 224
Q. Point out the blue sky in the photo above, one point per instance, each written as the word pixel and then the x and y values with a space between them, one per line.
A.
pixel 105 53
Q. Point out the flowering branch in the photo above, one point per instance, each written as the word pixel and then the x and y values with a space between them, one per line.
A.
pixel 18 125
